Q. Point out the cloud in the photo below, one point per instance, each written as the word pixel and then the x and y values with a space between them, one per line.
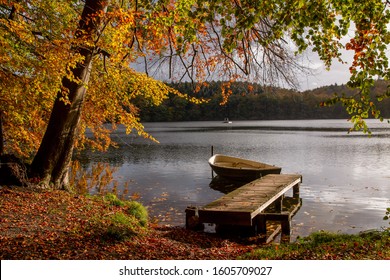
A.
pixel 337 74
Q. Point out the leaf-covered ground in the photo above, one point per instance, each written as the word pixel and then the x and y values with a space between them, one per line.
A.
pixel 59 225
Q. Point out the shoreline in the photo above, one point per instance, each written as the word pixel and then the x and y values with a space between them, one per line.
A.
pixel 51 224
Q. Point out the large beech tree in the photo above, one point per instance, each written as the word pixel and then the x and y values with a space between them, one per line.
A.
pixel 70 65
pixel 55 151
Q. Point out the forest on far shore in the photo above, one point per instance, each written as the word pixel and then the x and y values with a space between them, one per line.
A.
pixel 250 101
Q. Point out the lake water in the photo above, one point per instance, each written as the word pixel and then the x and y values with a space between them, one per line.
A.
pixel 346 177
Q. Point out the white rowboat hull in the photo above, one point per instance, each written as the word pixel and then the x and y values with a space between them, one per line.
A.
pixel 240 169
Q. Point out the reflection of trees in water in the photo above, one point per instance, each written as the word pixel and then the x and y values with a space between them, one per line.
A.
pixel 114 156
pixel 144 153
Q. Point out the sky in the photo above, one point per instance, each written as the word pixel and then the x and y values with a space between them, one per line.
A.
pixel 338 73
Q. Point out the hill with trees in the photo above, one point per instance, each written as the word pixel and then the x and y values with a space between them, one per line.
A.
pixel 250 101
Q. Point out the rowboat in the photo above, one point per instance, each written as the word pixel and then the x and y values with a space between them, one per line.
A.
pixel 226 120
pixel 239 168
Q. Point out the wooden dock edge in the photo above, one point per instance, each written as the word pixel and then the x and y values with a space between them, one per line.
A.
pixel 259 220
pixel 283 217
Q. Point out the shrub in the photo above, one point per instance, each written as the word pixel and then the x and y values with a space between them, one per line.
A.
pixel 137 210
pixel 130 220
pixel 113 200
pixel 122 226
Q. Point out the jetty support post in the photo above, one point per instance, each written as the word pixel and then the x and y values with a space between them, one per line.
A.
pixel 278 204
pixel 296 190
pixel 192 219
pixel 260 223
pixel 212 153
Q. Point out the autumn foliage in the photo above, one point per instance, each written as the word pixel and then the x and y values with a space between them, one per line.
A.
pixel 125 49
pixel 39 43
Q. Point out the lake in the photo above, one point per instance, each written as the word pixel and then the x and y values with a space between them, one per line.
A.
pixel 346 177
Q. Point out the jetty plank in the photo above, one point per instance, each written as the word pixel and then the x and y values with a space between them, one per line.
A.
pixel 242 205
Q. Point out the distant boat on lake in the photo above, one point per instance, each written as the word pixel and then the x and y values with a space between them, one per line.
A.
pixel 226 120
pixel 239 168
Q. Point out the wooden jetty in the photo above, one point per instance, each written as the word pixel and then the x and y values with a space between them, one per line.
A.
pixel 252 204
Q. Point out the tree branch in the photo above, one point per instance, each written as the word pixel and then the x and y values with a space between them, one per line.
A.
pixel 223 51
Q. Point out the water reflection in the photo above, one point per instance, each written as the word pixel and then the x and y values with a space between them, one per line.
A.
pixel 224 185
pixel 345 176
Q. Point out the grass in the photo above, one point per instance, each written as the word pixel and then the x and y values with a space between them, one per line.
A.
pixel 122 226
pixel 327 246
pixel 131 221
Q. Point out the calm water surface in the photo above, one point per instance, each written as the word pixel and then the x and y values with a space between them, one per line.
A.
pixel 346 177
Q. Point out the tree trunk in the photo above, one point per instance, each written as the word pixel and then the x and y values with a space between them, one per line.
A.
pixel 52 160
pixel 11 16
pixel 1 135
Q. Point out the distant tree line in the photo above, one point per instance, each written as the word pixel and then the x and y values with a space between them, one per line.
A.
pixel 250 101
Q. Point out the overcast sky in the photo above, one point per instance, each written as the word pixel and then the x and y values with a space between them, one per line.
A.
pixel 338 74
